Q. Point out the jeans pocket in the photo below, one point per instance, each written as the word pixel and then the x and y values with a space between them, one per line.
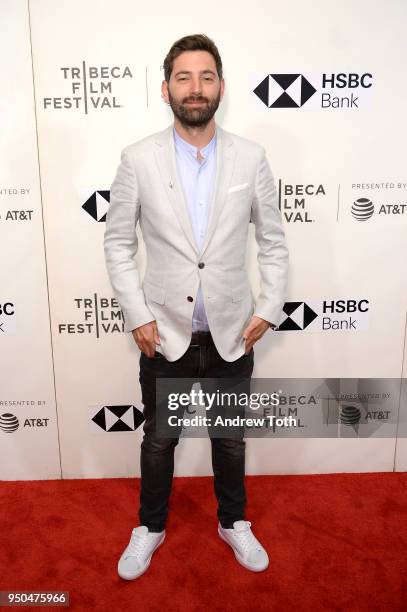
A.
pixel 156 355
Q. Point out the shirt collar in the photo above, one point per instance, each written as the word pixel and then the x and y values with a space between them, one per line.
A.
pixel 191 149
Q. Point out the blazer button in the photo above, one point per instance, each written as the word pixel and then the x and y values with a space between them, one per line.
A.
pixel 201 265
pixel 190 298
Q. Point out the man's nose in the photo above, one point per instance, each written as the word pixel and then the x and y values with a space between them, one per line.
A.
pixel 196 86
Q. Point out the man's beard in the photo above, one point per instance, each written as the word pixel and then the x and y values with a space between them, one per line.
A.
pixel 194 116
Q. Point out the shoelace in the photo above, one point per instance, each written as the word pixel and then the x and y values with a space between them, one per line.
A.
pixel 246 538
pixel 137 545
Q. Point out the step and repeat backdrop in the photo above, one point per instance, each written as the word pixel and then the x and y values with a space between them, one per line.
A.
pixel 320 86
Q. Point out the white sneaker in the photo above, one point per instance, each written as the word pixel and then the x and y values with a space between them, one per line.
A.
pixel 137 556
pixel 248 550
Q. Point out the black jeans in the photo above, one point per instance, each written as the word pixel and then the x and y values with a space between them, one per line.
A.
pixel 157 453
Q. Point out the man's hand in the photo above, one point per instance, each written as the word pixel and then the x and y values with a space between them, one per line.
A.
pixel 146 337
pixel 254 331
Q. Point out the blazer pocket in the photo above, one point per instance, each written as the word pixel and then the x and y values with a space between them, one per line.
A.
pixel 238 187
pixel 154 293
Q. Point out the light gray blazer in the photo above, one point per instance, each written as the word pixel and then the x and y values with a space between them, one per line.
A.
pixel 147 190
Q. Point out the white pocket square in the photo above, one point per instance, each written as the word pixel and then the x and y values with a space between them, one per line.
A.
pixel 237 187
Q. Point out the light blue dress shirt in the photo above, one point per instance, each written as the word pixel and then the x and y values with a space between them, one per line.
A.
pixel 197 179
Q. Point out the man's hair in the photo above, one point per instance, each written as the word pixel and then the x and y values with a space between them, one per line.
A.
pixel 193 42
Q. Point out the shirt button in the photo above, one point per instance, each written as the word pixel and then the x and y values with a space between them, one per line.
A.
pixel 190 298
pixel 201 264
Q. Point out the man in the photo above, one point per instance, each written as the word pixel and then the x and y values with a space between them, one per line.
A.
pixel 194 188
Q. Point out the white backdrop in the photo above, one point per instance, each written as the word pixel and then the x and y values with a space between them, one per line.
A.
pixel 81 80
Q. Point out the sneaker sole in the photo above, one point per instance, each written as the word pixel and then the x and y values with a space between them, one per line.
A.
pixel 239 559
pixel 145 568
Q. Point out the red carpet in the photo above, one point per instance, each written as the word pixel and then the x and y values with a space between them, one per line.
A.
pixel 336 542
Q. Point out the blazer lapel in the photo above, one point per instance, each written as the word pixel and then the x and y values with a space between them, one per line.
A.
pixel 165 155
pixel 225 161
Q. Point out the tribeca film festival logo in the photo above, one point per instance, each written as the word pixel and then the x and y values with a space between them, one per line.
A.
pixel 7 317
pixel 389 200
pixel 99 315
pixel 294 200
pixel 316 91
pixel 90 88
pixel 326 315
pixel 97 204
pixel 115 418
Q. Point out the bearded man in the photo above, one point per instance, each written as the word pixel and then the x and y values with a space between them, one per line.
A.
pixel 194 188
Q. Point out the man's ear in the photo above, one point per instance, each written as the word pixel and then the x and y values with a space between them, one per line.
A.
pixel 164 91
pixel 222 87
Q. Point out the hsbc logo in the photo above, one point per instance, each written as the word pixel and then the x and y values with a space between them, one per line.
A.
pixel 315 91
pixel 7 317
pixel 284 90
pixel 116 418
pixel 97 204
pixel 298 315
pixel 326 315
